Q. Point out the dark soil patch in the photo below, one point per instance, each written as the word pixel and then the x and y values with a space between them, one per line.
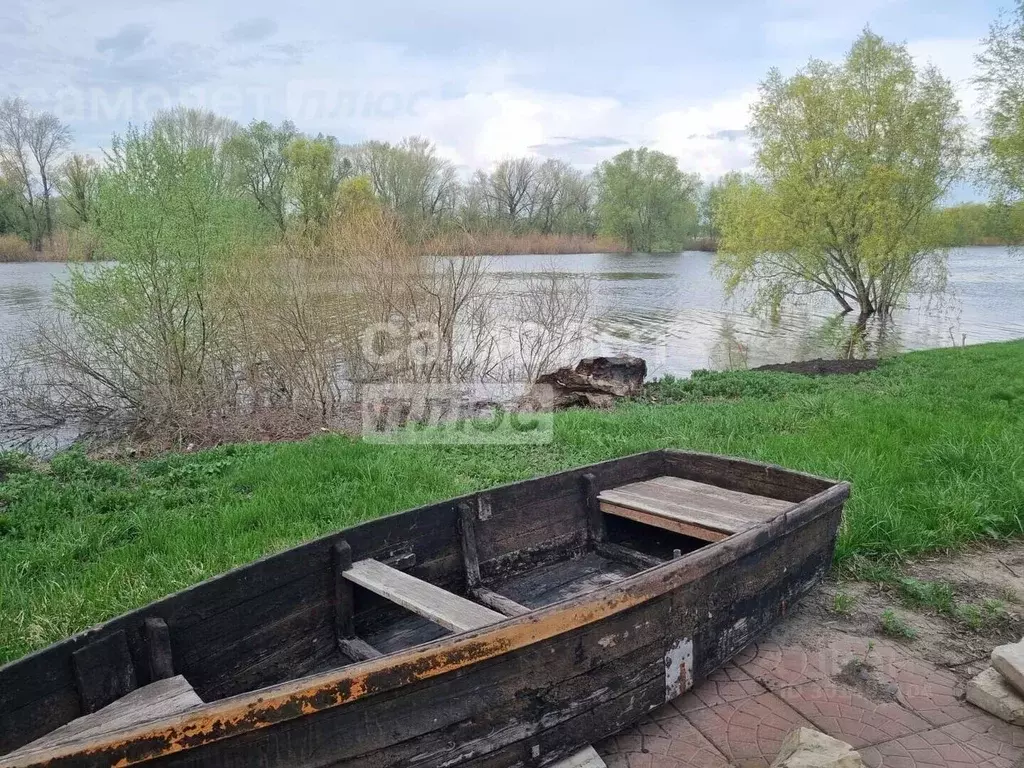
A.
pixel 821 367
pixel 859 674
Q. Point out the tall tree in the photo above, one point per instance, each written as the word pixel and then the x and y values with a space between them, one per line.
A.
pixel 511 188
pixel 77 182
pixel 410 177
pixel 645 200
pixel 31 146
pixel 184 129
pixel 1000 79
pixel 851 162
pixel 48 140
pixel 318 167
pixel 259 160
pixel 561 199
pixel 710 199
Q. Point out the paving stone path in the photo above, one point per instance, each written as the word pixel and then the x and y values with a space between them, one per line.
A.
pixel 896 710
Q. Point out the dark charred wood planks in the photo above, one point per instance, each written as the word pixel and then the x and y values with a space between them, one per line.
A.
pixel 486 706
pixel 746 476
pixel 549 512
pixel 259 624
pixel 626 555
pixel 164 697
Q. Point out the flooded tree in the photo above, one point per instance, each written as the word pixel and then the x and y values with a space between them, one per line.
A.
pixel 644 199
pixel 852 161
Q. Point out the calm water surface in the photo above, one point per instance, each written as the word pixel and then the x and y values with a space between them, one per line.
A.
pixel 671 309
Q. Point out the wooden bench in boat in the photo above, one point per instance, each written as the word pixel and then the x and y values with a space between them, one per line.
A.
pixel 702 511
pixel 448 610
pixel 439 605
pixel 171 696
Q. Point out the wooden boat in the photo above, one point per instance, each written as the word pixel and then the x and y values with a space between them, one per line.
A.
pixel 509 627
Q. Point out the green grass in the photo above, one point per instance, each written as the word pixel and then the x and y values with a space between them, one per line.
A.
pixel 843 603
pixel 937 595
pixel 943 599
pixel 933 443
pixel 894 626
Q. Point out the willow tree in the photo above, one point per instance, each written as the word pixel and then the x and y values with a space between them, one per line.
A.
pixel 852 160
pixel 645 200
pixel 1000 79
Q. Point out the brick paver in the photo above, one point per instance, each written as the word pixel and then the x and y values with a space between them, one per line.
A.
pixel 663 740
pixel 776 666
pixel 933 693
pixel 730 683
pixel 980 742
pixel 897 710
pixel 750 731
pixel 851 716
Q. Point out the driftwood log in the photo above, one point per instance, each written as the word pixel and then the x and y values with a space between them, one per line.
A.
pixel 595 382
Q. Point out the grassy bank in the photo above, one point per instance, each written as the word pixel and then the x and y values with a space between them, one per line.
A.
pixel 933 443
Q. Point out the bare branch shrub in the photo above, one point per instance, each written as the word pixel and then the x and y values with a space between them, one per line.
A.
pixel 274 341
pixel 550 321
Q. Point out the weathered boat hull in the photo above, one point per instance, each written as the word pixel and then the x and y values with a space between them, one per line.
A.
pixel 528 690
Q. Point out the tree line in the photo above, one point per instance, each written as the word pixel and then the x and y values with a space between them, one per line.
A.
pixel 992 223
pixel 640 197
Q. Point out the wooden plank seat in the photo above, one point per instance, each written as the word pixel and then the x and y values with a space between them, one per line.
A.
pixel 702 511
pixel 431 602
pixel 159 699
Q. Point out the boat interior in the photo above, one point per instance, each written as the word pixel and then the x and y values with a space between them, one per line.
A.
pixel 412 578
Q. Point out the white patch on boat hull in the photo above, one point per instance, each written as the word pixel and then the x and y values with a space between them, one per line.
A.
pixel 679 668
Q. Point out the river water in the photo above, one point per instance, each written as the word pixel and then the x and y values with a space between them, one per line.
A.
pixel 671 309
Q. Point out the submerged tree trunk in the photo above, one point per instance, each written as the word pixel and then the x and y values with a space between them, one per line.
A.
pixel 843 302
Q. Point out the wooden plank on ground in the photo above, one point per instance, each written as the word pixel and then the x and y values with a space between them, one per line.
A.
pixel 160 699
pixel 439 605
pixel 585 758
pixel 695 504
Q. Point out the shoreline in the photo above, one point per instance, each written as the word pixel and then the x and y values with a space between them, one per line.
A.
pixel 953 417
pixel 484 245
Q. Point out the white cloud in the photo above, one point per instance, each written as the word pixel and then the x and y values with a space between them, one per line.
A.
pixel 482 83
pixel 694 135
pixel 482 128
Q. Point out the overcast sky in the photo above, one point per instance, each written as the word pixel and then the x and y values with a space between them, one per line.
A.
pixel 576 79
